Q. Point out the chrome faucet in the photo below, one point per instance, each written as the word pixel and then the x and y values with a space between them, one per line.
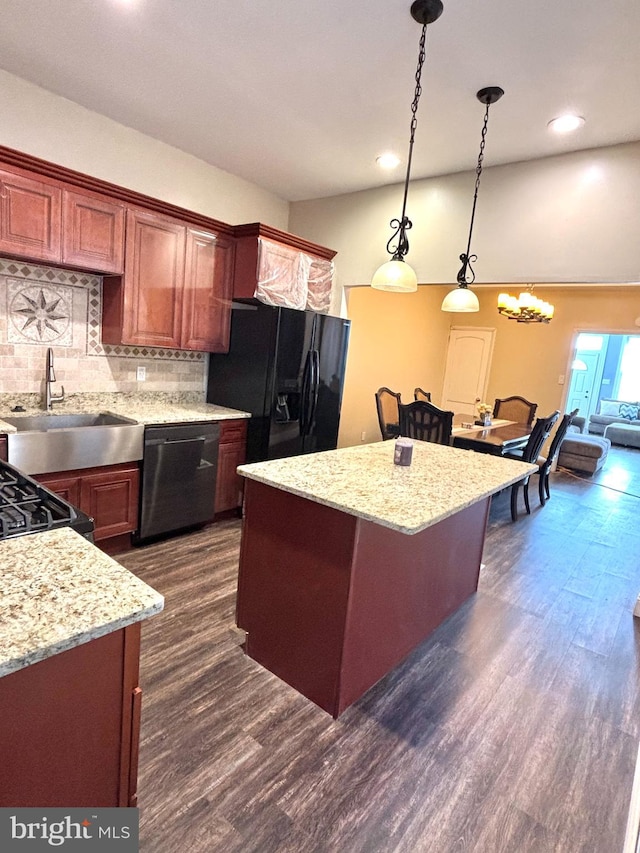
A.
pixel 49 379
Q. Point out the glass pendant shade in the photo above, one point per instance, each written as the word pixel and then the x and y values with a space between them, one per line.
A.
pixel 461 300
pixel 396 277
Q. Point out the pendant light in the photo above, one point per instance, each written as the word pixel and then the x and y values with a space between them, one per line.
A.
pixel 462 299
pixel 396 275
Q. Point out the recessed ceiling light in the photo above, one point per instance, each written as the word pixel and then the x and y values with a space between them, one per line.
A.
pixel 388 161
pixel 566 123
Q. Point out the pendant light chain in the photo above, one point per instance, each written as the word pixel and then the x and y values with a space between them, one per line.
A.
pixel 466 274
pixel 395 274
pixel 483 143
pixel 403 224
pixel 414 116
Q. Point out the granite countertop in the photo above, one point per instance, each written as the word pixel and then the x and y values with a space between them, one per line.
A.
pixel 59 591
pixel 148 409
pixel 363 481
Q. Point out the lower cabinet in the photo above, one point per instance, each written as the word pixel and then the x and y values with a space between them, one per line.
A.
pixel 4 454
pixel 77 746
pixel 231 453
pixel 108 494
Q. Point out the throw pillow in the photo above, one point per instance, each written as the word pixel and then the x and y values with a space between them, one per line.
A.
pixel 628 411
pixel 610 408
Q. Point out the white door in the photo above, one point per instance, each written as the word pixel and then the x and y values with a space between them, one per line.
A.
pixel 466 374
pixel 586 373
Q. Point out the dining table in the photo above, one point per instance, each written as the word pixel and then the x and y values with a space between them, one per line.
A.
pixel 499 438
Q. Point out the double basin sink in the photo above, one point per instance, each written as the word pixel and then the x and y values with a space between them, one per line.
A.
pixel 66 442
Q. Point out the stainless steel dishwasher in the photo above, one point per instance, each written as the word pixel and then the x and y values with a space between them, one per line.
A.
pixel 179 468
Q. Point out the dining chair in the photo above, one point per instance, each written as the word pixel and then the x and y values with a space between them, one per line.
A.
pixel 515 409
pixel 419 394
pixel 545 463
pixel 387 404
pixel 530 453
pixel 425 422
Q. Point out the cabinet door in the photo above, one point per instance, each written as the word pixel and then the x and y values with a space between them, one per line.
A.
pixel 231 453
pixel 207 292
pixel 93 233
pixel 3 448
pixel 70 727
pixel 30 217
pixel 111 499
pixel 65 485
pixel 153 280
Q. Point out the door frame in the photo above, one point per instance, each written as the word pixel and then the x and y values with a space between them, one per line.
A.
pixel 635 332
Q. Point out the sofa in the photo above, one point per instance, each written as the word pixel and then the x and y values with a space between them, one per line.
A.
pixel 614 412
pixel 580 452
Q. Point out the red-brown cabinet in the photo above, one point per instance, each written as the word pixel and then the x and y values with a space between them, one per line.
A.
pixel 108 494
pixel 76 746
pixel 30 216
pixel 206 307
pixel 231 453
pixel 275 262
pixel 43 220
pixel 176 290
pixel 93 232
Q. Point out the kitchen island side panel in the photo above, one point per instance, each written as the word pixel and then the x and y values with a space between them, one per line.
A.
pixel 331 603
pixel 402 588
pixel 293 588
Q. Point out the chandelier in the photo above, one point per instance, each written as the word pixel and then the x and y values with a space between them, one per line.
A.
pixel 525 308
pixel 396 275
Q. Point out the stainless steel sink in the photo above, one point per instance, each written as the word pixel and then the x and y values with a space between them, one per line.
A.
pixel 43 423
pixel 64 442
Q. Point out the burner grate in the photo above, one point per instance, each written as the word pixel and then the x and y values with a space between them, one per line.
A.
pixel 28 507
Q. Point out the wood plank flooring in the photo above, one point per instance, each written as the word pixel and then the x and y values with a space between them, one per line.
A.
pixel 515 727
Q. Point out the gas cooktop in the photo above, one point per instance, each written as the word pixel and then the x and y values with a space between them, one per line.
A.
pixel 28 507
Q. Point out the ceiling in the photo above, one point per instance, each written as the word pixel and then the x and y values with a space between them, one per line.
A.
pixel 301 97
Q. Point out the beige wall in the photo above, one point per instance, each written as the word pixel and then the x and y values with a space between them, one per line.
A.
pixel 400 340
pixel 397 340
pixel 56 129
pixel 571 218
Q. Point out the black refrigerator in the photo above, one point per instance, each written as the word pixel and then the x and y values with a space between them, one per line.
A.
pixel 286 368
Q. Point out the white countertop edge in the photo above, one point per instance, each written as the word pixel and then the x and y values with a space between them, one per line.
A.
pixel 85 636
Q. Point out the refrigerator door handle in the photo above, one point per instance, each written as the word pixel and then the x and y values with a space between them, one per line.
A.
pixel 307 379
pixel 315 383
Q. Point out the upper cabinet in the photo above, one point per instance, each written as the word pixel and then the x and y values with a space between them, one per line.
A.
pixel 208 282
pixel 41 220
pixel 30 217
pixel 176 289
pixel 93 233
pixel 281 269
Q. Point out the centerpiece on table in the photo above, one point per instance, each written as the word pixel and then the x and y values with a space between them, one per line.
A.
pixel 484 414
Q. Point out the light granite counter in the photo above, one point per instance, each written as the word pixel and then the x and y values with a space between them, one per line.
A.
pixel 363 481
pixel 59 591
pixel 148 409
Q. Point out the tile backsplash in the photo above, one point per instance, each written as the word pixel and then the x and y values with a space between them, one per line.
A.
pixel 43 307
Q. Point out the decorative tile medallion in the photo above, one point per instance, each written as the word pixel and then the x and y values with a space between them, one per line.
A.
pixel 39 312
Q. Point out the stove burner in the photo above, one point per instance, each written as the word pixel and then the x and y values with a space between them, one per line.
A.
pixel 28 507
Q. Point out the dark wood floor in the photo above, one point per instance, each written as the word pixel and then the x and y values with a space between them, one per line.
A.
pixel 513 728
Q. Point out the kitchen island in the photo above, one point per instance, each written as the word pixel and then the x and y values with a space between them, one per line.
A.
pixel 348 561
pixel 70 698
